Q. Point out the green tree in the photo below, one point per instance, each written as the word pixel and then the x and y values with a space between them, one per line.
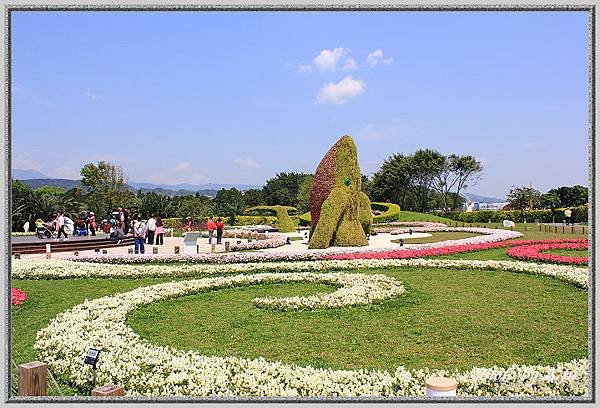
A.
pixel 283 189
pixel 253 198
pixel 105 185
pixel 425 165
pixel 303 196
pixel 465 171
pixel 391 182
pixel 524 198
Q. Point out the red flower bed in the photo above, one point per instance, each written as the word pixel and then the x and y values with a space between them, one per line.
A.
pixel 419 253
pixel 18 296
pixel 535 253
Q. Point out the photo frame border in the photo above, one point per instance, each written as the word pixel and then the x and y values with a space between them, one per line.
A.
pixel 590 8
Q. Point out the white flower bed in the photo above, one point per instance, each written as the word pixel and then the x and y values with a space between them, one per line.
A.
pixel 488 235
pixel 275 241
pixel 146 369
pixel 62 269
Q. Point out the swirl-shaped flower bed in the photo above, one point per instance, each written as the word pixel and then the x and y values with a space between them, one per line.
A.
pixel 63 269
pixel 147 369
pixel 447 250
pixel 536 253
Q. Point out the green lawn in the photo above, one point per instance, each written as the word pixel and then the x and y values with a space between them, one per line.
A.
pixel 417 216
pixel 442 321
pixel 437 237
pixel 568 252
pixel 446 319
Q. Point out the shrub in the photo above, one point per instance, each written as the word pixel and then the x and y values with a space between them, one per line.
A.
pixel 581 215
pixel 391 212
pixel 284 222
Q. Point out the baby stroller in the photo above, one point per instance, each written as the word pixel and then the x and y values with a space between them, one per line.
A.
pixel 44 230
pixel 80 227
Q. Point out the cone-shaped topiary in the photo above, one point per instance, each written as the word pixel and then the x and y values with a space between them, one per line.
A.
pixel 340 212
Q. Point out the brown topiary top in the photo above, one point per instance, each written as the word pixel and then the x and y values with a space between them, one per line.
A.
pixel 322 183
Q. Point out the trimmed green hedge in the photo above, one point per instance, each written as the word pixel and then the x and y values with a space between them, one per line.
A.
pixel 284 222
pixel 581 215
pixel 391 212
pixel 239 220
pixel 304 219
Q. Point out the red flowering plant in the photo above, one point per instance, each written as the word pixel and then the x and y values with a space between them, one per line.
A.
pixel 536 253
pixel 419 253
pixel 18 296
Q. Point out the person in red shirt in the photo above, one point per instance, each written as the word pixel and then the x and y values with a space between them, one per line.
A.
pixel 220 226
pixel 211 227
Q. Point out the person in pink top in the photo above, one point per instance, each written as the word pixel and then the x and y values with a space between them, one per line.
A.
pixel 211 226
pixel 60 225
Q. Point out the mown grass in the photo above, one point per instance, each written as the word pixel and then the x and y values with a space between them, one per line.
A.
pixel 447 319
pixel 568 252
pixel 406 216
pixel 437 237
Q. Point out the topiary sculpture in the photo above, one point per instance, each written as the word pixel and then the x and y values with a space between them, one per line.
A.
pixel 284 222
pixel 340 212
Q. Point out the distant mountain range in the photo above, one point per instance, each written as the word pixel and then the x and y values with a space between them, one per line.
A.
pixel 483 199
pixel 35 179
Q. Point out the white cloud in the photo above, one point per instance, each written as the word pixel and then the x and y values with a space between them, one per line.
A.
pixel 183 166
pixel 168 178
pixel 350 64
pixel 305 69
pixel 330 60
pixel 377 57
pixel 339 93
pixel 25 162
pixel 247 164
pixel 65 172
pixel 92 96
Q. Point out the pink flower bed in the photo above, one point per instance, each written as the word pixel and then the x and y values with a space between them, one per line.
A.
pixel 419 253
pixel 535 253
pixel 18 296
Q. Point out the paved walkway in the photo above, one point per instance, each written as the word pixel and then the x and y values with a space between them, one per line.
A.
pixel 167 248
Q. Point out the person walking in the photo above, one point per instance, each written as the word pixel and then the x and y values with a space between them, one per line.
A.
pixel 211 227
pixel 151 229
pixel 568 214
pixel 92 223
pixel 59 224
pixel 139 229
pixel 127 220
pixel 160 231
pixel 220 226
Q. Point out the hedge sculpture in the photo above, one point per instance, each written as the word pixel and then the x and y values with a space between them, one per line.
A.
pixel 340 212
pixel 284 221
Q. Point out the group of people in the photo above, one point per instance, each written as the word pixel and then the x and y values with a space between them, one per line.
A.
pixel 211 225
pixel 150 231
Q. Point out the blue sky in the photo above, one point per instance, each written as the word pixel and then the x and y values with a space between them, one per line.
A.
pixel 236 97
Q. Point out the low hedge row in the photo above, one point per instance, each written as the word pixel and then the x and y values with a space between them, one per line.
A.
pixel 581 215
pixel 391 212
pixel 239 220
